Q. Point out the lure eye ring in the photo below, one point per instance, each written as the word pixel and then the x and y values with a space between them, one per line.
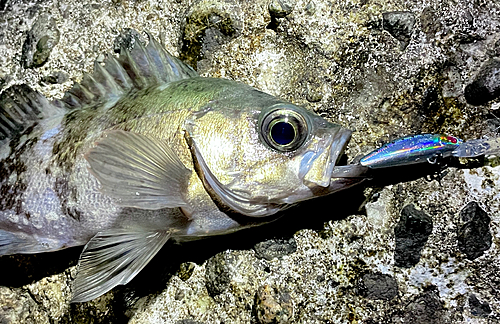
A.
pixel 284 130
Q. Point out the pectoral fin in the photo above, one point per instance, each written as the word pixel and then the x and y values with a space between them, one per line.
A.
pixel 114 257
pixel 139 171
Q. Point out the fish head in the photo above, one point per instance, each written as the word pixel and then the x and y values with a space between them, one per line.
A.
pixel 261 160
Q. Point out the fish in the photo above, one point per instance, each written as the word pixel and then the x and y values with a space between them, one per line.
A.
pixel 143 150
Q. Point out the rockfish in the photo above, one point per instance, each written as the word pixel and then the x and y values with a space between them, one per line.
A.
pixel 145 150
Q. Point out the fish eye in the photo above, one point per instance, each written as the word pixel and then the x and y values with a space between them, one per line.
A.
pixel 284 130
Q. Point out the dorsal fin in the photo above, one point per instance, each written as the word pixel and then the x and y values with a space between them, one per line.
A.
pixel 20 108
pixel 139 68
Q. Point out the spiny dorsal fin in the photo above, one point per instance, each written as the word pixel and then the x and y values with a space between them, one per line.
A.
pixel 20 108
pixel 139 68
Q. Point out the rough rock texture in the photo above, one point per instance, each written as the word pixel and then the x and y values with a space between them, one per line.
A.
pixel 383 68
pixel 411 234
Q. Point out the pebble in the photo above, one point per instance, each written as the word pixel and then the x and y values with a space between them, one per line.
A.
pixel 377 286
pixel 474 236
pixel 186 270
pixel 411 234
pixel 188 321
pixel 57 77
pixel 273 305
pixel 486 85
pixel 478 308
pixel 40 41
pixel 400 25
pixel 275 248
pixel 218 272
pixel 426 308
pixel 280 8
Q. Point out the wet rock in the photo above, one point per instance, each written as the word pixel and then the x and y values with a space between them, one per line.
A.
pixel 40 41
pixel 426 308
pixel 127 39
pixel 474 236
pixel 223 272
pixel 218 273
pixel 280 8
pixel 273 305
pixel 400 25
pixel 377 286
pixel 486 85
pixel 411 234
pixel 57 77
pixel 186 270
pixel 208 25
pixel 478 308
pixel 275 248
pixel 430 99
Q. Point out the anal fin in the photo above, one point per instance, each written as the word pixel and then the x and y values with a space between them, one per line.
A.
pixel 114 257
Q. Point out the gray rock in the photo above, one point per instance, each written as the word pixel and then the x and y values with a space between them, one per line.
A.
pixel 222 274
pixel 57 77
pixel 40 41
pixel 275 248
pixel 474 236
pixel 411 234
pixel 478 308
pixel 400 25
pixel 426 308
pixel 486 86
pixel 377 286
pixel 281 8
pixel 218 273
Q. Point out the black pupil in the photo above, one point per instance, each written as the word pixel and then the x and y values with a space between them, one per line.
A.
pixel 282 133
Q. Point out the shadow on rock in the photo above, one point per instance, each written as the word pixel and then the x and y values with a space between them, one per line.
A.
pixel 22 269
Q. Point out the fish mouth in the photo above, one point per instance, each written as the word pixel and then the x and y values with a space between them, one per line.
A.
pixel 318 163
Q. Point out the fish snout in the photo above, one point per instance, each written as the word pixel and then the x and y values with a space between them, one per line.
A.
pixel 322 155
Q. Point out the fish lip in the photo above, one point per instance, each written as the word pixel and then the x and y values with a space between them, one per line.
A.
pixel 333 145
pixel 337 148
pixel 340 141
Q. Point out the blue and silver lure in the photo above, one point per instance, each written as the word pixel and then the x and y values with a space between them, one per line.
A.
pixel 411 150
pixel 427 148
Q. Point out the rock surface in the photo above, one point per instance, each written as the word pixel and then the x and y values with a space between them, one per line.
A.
pixel 346 61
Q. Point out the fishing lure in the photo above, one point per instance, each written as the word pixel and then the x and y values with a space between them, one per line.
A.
pixel 427 148
pixel 412 149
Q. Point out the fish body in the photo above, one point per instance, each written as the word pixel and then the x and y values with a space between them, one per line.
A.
pixel 145 150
